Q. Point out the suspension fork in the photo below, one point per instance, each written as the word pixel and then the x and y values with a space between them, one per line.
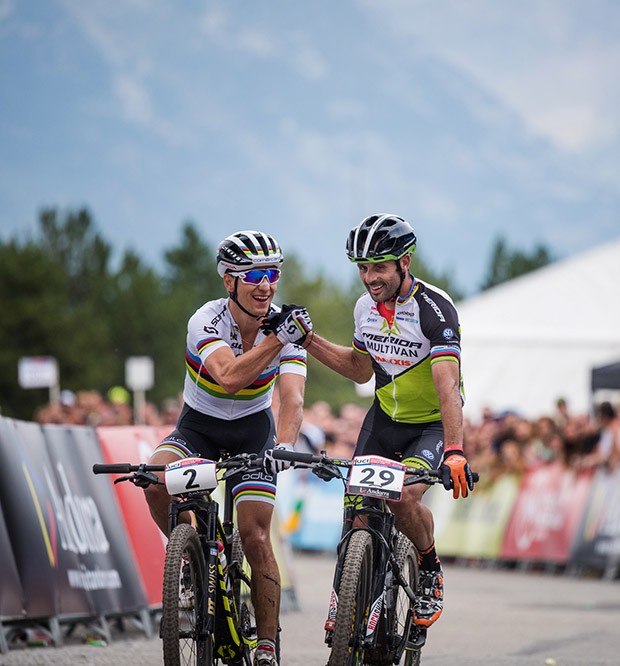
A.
pixel 381 535
pixel 206 514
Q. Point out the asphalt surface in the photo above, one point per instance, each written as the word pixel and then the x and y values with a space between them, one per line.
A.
pixel 491 618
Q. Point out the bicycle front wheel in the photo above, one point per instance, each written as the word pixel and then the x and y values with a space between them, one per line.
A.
pixel 353 602
pixel 182 602
pixel 406 558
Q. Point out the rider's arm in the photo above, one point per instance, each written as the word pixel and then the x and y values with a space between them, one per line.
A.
pixel 343 360
pixel 446 377
pixel 232 372
pixel 291 407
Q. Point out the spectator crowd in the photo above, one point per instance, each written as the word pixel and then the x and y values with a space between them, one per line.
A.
pixel 496 443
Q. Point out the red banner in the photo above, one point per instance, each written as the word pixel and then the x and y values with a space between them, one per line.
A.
pixel 134 444
pixel 545 519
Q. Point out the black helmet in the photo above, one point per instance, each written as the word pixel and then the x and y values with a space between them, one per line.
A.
pixel 380 238
pixel 247 249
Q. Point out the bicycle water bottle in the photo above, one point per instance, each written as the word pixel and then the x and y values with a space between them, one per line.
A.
pixel 222 555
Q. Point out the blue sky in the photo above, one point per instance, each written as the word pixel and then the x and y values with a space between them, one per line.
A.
pixel 470 119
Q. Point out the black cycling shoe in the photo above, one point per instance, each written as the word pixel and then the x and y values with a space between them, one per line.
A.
pixel 429 597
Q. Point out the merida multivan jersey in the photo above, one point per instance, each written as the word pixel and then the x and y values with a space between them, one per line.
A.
pixel 211 327
pixel 425 330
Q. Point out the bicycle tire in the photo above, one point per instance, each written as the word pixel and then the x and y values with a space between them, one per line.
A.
pixel 354 593
pixel 406 557
pixel 182 599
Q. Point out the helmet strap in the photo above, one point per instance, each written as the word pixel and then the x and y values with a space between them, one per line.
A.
pixel 233 297
pixel 396 294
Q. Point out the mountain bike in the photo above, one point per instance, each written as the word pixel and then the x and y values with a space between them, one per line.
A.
pixel 207 616
pixel 371 618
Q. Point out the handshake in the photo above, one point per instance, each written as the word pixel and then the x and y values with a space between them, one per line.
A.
pixel 291 324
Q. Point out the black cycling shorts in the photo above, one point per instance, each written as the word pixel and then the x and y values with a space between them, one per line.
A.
pixel 417 444
pixel 206 436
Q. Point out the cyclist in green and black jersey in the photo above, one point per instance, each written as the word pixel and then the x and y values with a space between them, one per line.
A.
pixel 407 334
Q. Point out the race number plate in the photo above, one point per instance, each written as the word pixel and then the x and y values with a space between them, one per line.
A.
pixel 375 476
pixel 190 475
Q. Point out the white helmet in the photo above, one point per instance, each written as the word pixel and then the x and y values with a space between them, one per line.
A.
pixel 245 250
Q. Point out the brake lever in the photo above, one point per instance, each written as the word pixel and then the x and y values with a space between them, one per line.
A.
pixel 327 472
pixel 142 479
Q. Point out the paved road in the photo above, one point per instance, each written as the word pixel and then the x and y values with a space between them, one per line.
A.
pixel 492 618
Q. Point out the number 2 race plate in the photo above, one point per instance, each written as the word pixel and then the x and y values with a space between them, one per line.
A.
pixel 375 476
pixel 190 475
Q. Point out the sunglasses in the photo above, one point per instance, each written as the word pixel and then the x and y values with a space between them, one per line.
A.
pixel 256 275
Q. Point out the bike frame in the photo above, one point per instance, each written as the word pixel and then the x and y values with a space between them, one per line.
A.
pixel 218 619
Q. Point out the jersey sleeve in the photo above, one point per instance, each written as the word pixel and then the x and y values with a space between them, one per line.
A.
pixel 358 339
pixel 440 324
pixel 293 359
pixel 202 340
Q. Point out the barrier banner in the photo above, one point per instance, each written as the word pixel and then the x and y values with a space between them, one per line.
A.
pixel 598 539
pixel 25 470
pixel 11 597
pixel 473 526
pixel 546 515
pixel 135 444
pixel 91 537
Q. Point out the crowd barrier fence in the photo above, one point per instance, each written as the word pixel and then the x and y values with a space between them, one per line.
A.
pixel 74 547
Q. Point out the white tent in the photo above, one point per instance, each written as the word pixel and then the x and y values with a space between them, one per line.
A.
pixel 530 341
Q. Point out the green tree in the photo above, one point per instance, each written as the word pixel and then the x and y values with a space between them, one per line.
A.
pixel 141 325
pixel 73 241
pixel 35 320
pixel 507 264
pixel 191 276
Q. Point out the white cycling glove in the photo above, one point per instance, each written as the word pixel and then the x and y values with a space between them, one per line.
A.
pixel 273 466
pixel 292 324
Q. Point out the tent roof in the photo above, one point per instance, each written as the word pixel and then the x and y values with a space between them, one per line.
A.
pixel 536 338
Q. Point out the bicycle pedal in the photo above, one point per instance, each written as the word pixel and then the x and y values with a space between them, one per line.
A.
pixel 417 638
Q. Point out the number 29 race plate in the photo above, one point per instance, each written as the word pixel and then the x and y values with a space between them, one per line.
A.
pixel 375 476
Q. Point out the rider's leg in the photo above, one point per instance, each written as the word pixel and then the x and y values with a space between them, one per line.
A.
pixel 413 518
pixel 254 523
pixel 156 496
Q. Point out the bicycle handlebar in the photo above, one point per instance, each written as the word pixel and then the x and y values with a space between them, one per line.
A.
pixel 311 459
pixel 294 456
pixel 243 460
pixel 125 468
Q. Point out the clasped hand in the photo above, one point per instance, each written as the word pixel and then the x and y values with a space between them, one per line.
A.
pixel 291 324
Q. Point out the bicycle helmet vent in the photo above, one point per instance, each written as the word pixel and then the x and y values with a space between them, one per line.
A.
pixel 247 249
pixel 380 238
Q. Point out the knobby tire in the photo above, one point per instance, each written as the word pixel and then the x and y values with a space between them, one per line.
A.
pixel 407 560
pixel 182 601
pixel 353 602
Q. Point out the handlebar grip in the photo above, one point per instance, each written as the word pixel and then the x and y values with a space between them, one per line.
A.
pixel 294 456
pixel 113 468
pixel 475 476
